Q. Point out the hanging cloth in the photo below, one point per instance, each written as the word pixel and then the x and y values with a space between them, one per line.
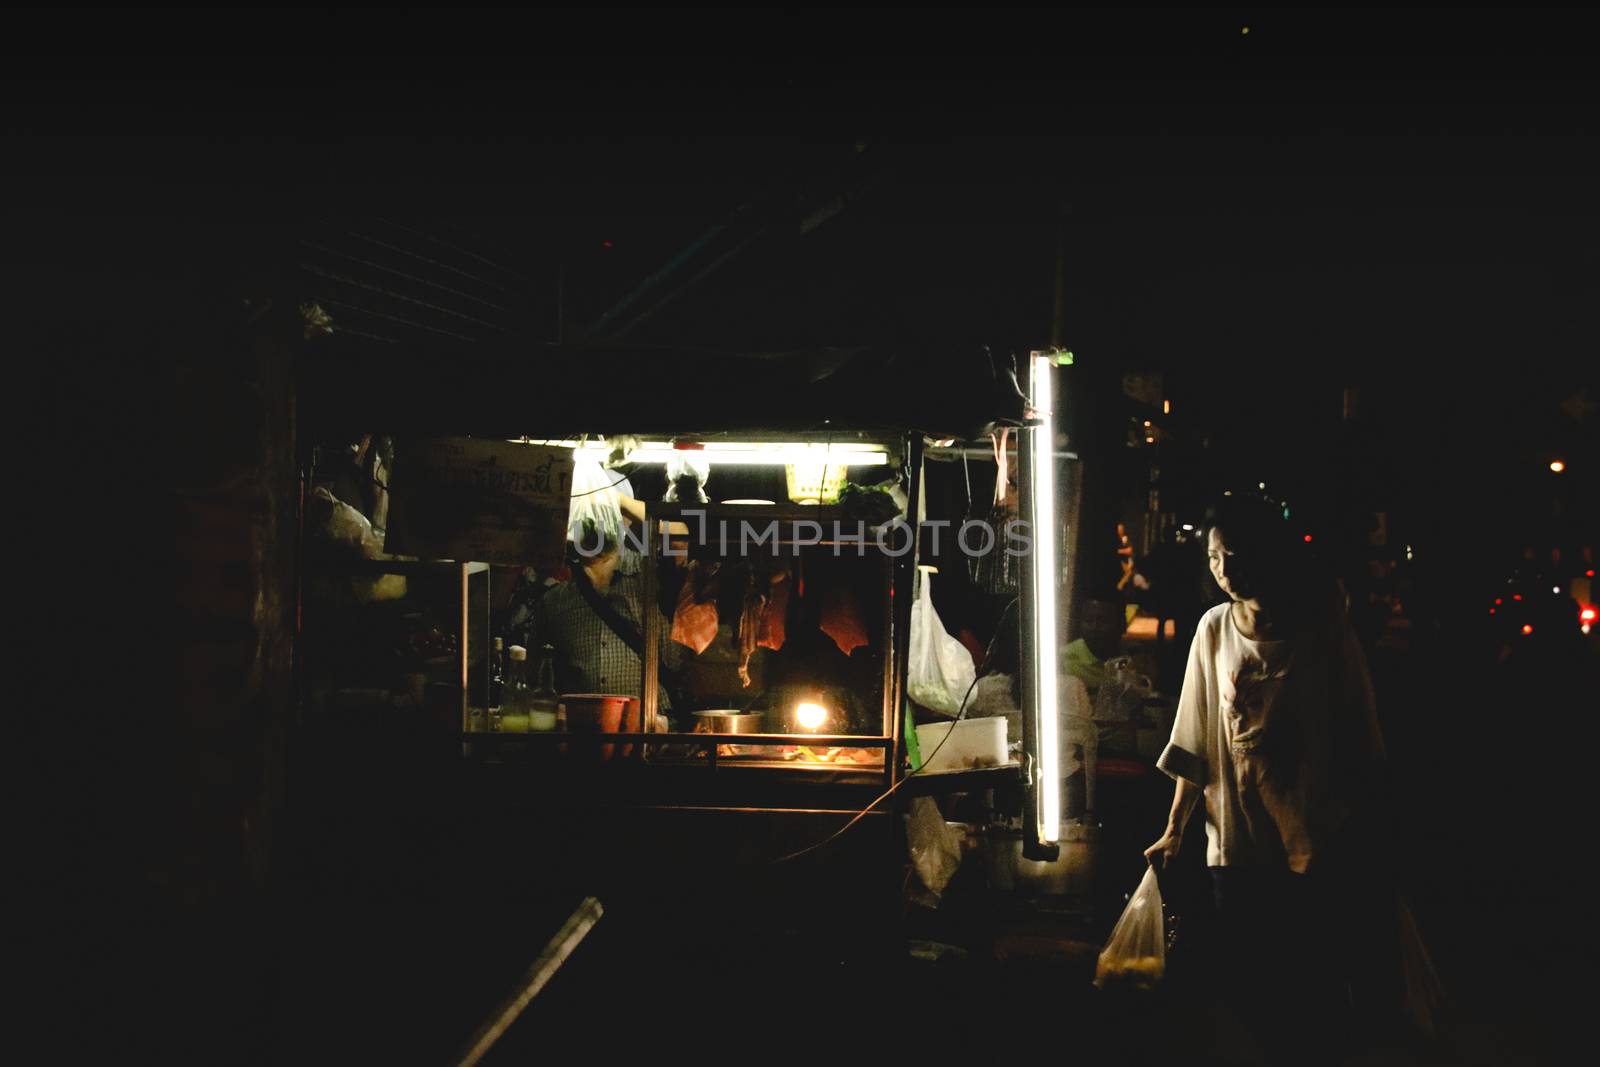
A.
pixel 995 571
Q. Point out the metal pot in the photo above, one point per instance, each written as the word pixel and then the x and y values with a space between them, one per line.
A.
pixel 729 721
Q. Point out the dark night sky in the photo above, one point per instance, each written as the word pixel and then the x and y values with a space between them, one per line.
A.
pixel 1394 199
pixel 1401 201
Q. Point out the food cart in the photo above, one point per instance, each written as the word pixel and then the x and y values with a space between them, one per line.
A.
pixel 766 793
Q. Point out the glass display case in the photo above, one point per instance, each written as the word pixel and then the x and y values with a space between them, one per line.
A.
pixel 384 641
pixel 781 635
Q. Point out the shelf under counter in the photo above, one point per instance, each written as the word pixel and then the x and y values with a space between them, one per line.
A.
pixel 736 773
pixel 934 783
pixel 710 744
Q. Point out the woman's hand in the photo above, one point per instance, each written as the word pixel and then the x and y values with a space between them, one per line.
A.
pixel 1164 851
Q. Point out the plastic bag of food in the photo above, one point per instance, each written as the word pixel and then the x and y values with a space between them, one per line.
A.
pixel 687 475
pixel 1136 955
pixel 341 527
pixel 935 846
pixel 940 672
pixel 594 518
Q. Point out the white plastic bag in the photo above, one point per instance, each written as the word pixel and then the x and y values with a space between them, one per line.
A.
pixel 1136 954
pixel 687 475
pixel 940 672
pixel 594 516
pixel 1121 692
pixel 934 844
pixel 343 527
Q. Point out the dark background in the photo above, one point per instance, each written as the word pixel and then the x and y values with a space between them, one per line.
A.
pixel 1399 202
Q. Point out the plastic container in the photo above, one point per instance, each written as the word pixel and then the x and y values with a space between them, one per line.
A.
pixel 815 482
pixel 600 713
pixel 972 743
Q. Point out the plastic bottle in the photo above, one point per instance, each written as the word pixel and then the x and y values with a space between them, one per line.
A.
pixel 515 701
pixel 497 672
pixel 544 703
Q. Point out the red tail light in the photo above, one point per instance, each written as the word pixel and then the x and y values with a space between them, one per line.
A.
pixel 1527 629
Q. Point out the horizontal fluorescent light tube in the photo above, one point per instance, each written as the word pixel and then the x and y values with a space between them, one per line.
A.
pixel 752 454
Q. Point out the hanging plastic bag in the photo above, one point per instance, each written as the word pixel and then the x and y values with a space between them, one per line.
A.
pixel 1136 955
pixel 341 528
pixel 934 844
pixel 1121 693
pixel 687 475
pixel 1080 736
pixel 594 517
pixel 940 672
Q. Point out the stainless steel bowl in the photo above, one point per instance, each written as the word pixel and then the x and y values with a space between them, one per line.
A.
pixel 729 721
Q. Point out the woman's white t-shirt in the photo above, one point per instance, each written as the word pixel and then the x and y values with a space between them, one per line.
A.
pixel 1263 750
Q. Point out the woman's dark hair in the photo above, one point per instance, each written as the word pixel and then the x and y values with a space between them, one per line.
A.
pixel 1254 528
pixel 1281 569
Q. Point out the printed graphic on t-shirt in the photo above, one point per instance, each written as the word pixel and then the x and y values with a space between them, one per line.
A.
pixel 1248 693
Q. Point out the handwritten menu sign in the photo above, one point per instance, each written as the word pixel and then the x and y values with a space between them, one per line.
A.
pixel 482 500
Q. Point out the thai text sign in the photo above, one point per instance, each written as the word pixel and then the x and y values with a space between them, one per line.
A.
pixel 483 500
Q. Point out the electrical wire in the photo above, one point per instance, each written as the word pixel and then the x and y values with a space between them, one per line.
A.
pixel 592 492
pixel 960 710
pixel 603 488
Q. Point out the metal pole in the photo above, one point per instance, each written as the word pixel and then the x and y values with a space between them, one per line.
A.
pixel 651 672
pixel 1069 626
pixel 906 571
pixel 544 967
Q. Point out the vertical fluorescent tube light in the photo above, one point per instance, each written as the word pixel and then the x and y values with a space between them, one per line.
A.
pixel 1046 644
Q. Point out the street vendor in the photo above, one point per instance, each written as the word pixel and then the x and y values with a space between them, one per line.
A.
pixel 595 621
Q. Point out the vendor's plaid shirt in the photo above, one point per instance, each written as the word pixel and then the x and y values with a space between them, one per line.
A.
pixel 589 657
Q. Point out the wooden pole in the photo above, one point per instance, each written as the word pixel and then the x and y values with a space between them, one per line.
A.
pixel 549 961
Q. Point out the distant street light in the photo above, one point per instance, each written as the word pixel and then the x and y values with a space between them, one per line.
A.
pixel 1556 466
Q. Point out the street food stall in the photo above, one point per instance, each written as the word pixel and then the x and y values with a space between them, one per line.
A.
pixel 771 547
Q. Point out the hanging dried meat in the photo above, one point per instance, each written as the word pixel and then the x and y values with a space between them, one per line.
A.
pixel 694 621
pixel 755 604
pixel 773 618
pixel 842 619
